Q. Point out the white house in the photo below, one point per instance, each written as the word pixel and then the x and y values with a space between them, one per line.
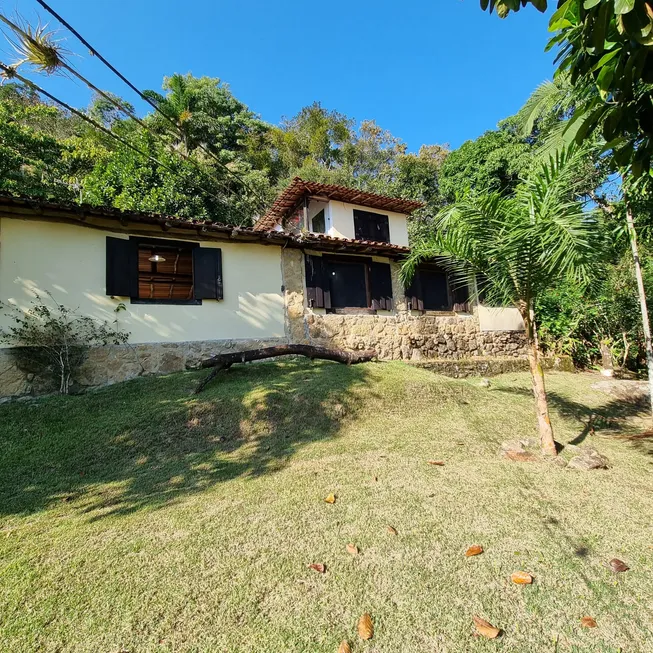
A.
pixel 321 266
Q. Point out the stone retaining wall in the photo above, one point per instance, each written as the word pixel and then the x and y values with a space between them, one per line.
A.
pixel 398 334
pixel 414 337
pixel 115 363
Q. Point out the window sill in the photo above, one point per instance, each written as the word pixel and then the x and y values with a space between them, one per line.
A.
pixel 443 313
pixel 351 311
pixel 168 302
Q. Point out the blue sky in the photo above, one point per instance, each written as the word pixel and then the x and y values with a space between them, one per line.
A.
pixel 438 71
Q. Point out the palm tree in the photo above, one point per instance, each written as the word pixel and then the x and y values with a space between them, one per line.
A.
pixel 519 246
pixel 560 110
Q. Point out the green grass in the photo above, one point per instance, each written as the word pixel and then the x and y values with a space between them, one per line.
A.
pixel 141 518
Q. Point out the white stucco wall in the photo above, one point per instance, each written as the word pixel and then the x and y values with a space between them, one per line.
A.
pixel 342 222
pixel 500 319
pixel 70 262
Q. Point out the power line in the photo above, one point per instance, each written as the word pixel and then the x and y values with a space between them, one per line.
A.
pixel 94 52
pixel 11 73
pixel 117 103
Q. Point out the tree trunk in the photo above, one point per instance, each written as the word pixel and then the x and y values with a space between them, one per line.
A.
pixel 646 326
pixel 225 361
pixel 547 442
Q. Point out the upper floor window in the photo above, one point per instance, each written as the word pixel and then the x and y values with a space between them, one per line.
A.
pixel 318 223
pixel 371 226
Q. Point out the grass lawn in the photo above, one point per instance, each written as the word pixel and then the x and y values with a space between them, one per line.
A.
pixel 141 518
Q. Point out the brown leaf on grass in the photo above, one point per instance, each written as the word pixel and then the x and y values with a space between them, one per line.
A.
pixel 474 550
pixel 344 647
pixel 618 565
pixel 440 463
pixel 392 530
pixel 318 566
pixel 588 622
pixel 521 578
pixel 331 498
pixel 485 628
pixel 365 627
pixel 353 549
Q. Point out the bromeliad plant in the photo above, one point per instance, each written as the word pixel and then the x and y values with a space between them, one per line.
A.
pixel 516 247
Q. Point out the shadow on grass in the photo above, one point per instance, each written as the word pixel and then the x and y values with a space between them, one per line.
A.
pixel 577 552
pixel 612 415
pixel 148 442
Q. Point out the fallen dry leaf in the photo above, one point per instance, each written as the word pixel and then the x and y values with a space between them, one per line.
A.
pixel 588 622
pixel 353 549
pixel 392 530
pixel 344 647
pixel 521 578
pixel 485 628
pixel 365 627
pixel 440 463
pixel 318 566
pixel 331 498
pixel 475 550
pixel 618 565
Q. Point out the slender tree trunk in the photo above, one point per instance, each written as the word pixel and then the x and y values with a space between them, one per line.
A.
pixel 539 390
pixel 646 326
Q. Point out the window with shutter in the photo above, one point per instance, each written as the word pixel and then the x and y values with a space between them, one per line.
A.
pixel 431 290
pixel 381 286
pixel 371 226
pixel 344 283
pixel 318 293
pixel 158 271
pixel 435 289
pixel 122 267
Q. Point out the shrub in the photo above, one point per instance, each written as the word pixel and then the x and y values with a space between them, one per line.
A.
pixel 52 341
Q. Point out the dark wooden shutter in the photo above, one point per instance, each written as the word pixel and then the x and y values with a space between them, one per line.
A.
pixel 381 286
pixel 122 267
pixel 207 273
pixel 371 226
pixel 318 293
pixel 460 295
pixel 414 293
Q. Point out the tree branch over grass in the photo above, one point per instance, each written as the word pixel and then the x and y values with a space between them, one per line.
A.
pixel 225 361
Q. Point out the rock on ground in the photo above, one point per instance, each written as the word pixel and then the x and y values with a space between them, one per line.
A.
pixel 587 460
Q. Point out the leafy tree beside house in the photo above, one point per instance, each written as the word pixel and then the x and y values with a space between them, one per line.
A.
pixel 521 245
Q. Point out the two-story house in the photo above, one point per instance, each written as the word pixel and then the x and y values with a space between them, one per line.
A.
pixel 321 267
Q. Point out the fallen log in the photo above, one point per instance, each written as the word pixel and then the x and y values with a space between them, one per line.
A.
pixel 225 361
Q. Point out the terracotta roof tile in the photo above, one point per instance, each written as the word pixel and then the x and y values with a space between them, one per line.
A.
pixel 47 210
pixel 293 193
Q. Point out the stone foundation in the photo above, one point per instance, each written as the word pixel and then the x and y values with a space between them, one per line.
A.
pixel 115 363
pixel 414 337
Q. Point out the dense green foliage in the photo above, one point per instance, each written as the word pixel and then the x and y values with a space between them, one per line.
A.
pixel 606 44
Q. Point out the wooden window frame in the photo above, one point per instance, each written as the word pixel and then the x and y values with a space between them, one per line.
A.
pixel 367 263
pixel 360 213
pixel 164 243
pixel 420 297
